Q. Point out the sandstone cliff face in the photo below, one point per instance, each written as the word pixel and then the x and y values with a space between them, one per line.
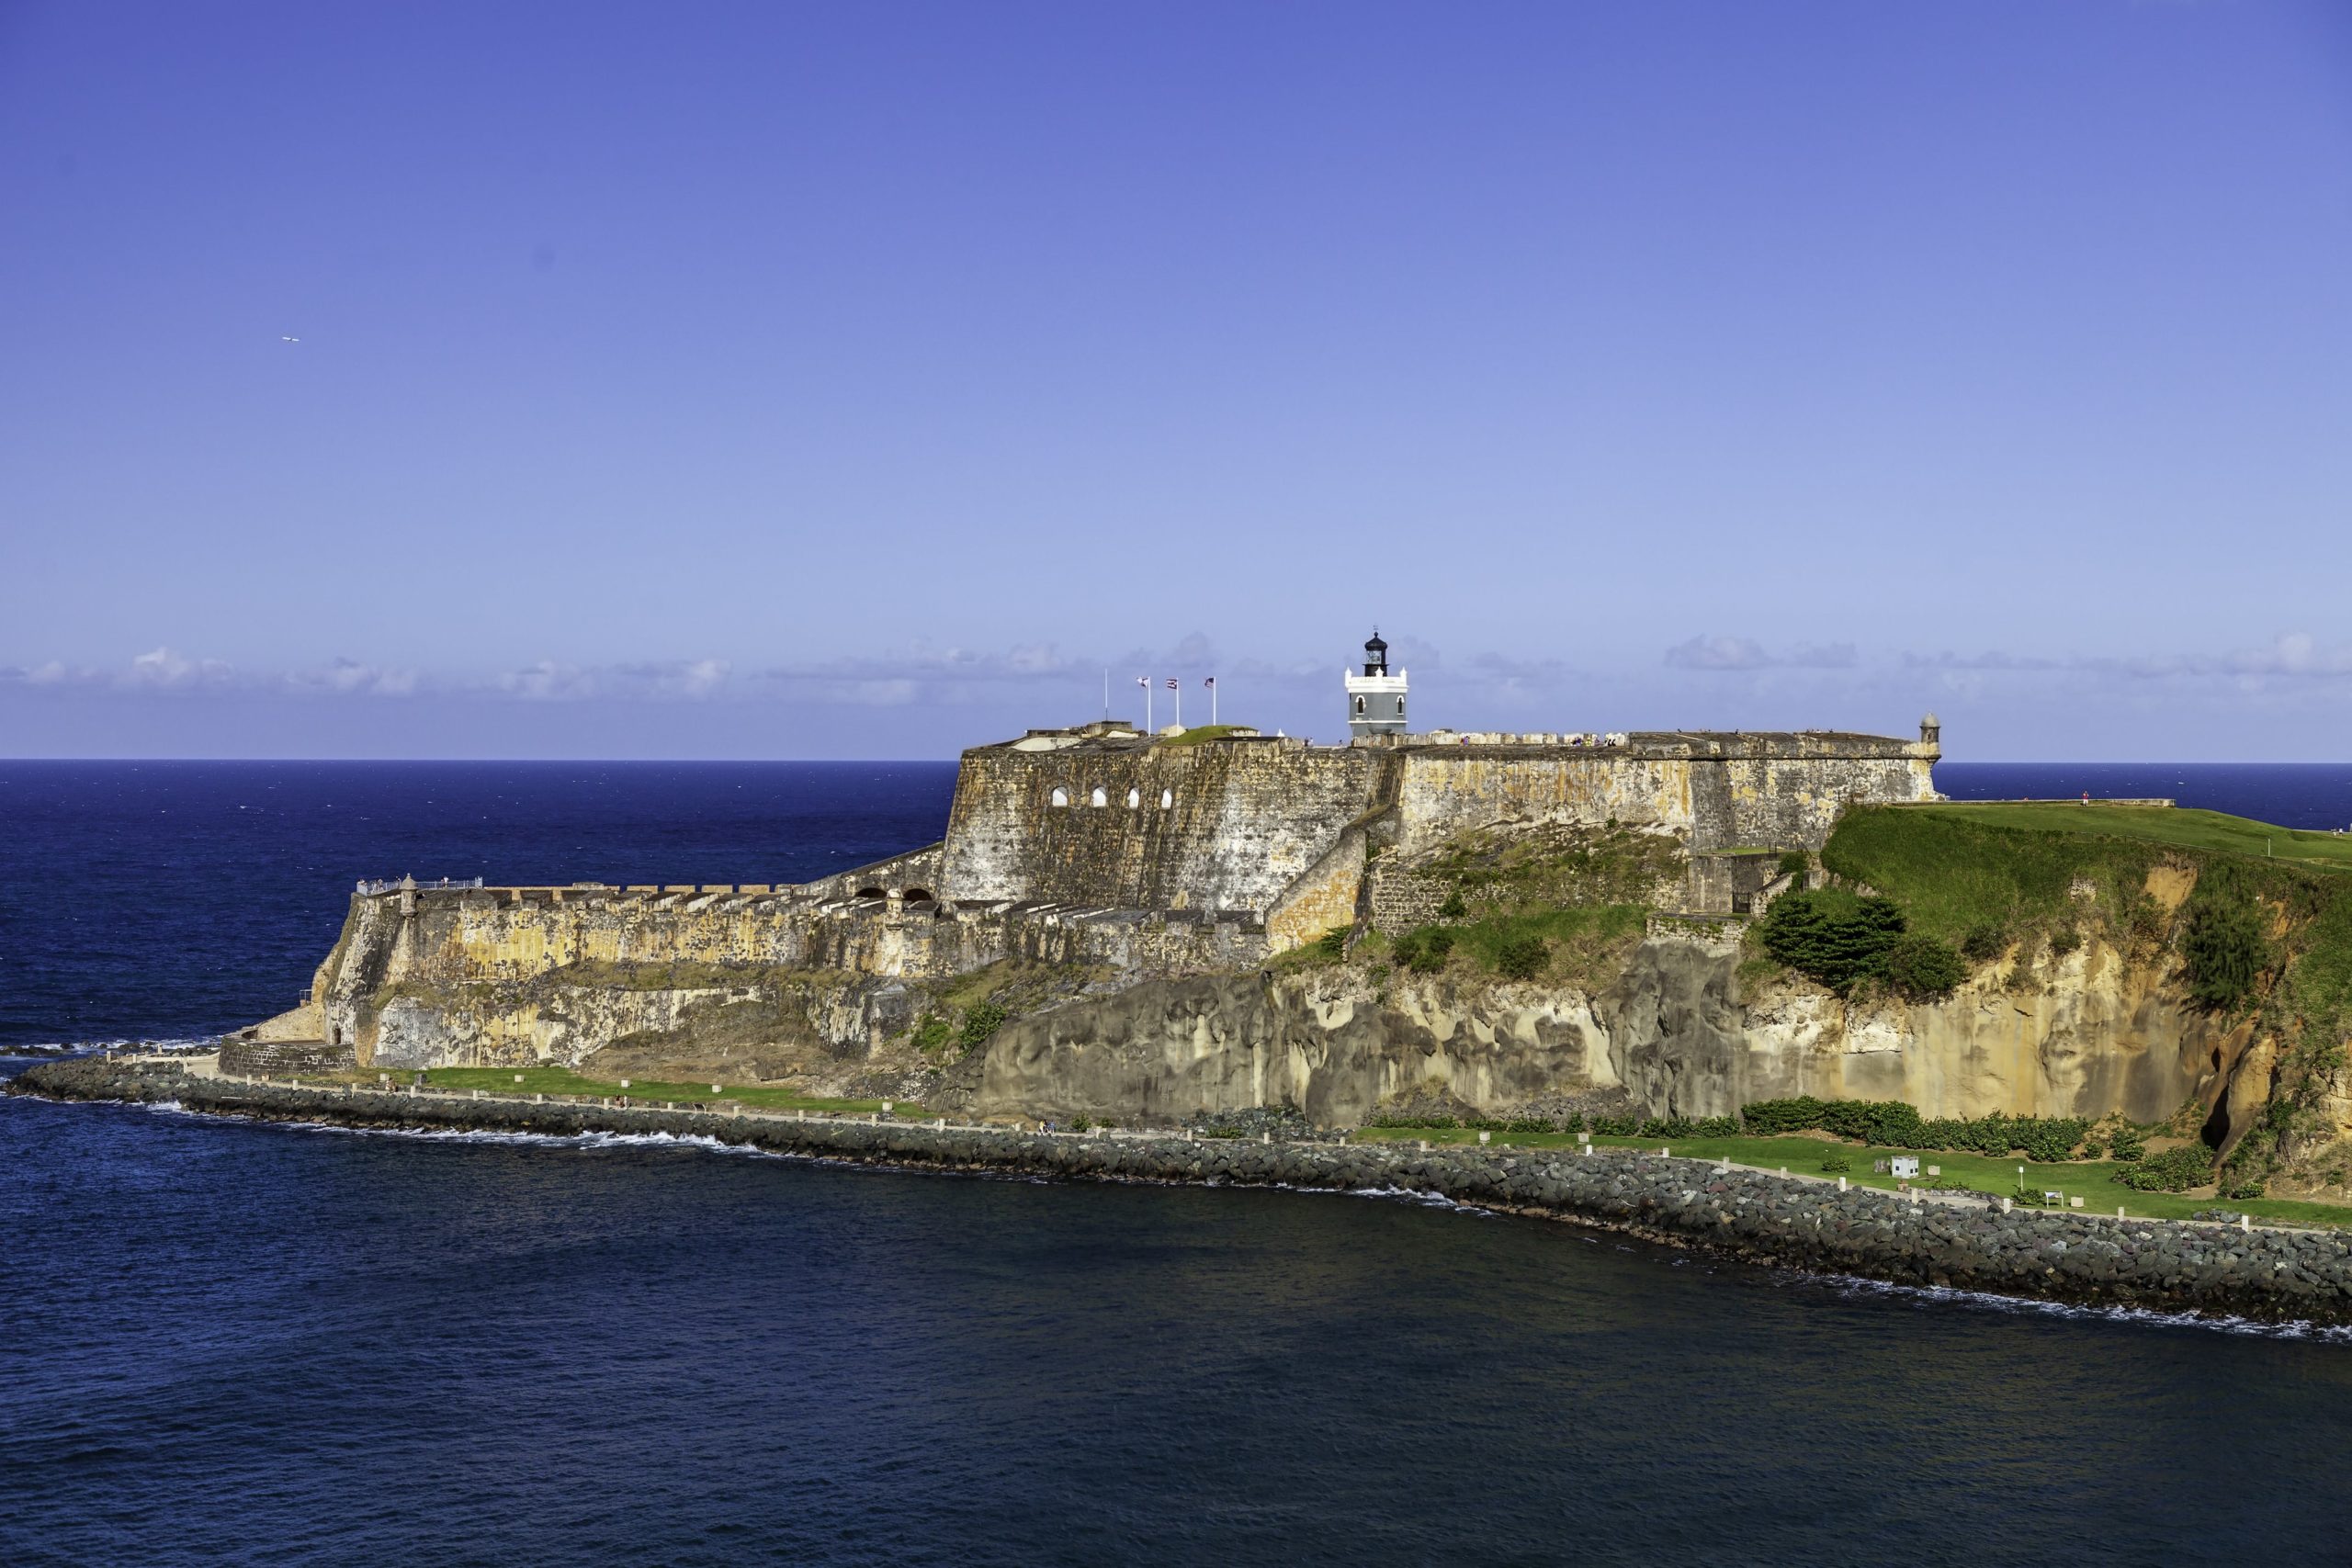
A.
pixel 474 985
pixel 1330 1045
pixel 2092 1036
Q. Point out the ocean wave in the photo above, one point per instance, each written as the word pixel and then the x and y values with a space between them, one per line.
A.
pixel 592 1139
pixel 2136 1316
pixel 45 1050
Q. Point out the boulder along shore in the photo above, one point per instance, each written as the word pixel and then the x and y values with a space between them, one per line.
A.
pixel 2068 1255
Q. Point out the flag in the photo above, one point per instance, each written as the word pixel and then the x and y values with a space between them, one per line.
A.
pixel 1173 686
pixel 1144 681
pixel 1210 681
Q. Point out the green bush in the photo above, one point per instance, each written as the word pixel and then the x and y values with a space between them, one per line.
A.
pixel 1837 1162
pixel 2065 940
pixel 2226 952
pixel 1795 862
pixel 931 1033
pixel 1616 1126
pixel 1983 942
pixel 1832 937
pixel 1718 1127
pixel 1527 1124
pixel 1924 969
pixel 1667 1127
pixel 2175 1170
pixel 980 1020
pixel 2130 1144
pixel 1425 949
pixel 2244 1189
pixel 1891 1124
pixel 1332 944
pixel 1523 957
pixel 1454 908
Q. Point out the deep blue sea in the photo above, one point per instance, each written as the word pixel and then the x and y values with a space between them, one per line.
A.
pixel 228 1343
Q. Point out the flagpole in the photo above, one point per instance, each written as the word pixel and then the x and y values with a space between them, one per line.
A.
pixel 1180 703
pixel 1144 681
pixel 1212 702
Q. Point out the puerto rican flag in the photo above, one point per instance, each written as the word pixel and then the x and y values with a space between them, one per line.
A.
pixel 1174 685
pixel 1211 680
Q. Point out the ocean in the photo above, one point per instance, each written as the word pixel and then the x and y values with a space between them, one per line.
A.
pixel 229 1342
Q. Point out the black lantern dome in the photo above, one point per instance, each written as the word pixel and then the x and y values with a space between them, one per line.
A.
pixel 1375 655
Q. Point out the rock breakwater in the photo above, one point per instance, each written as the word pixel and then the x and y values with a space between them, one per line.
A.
pixel 2267 1274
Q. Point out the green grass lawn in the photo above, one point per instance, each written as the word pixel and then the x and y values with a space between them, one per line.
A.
pixel 563 1080
pixel 2089 1179
pixel 2186 829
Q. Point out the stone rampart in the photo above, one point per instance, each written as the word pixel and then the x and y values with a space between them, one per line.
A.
pixel 1227 825
pixel 1252 824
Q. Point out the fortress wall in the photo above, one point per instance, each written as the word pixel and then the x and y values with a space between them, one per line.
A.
pixel 1402 899
pixel 1779 792
pixel 1245 820
pixel 1446 792
pixel 1327 896
pixel 1794 802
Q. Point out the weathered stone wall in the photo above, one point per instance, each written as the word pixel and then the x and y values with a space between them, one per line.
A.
pixel 1402 897
pixel 1719 792
pixel 1244 820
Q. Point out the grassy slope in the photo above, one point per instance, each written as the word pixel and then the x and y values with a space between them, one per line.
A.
pixel 2156 825
pixel 1952 867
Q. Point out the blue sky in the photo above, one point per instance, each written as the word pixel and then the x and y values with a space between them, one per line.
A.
pixel 865 380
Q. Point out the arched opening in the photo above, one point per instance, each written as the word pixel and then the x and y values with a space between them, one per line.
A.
pixel 1167 799
pixel 1059 797
pixel 1359 707
pixel 1134 798
pixel 1400 707
pixel 917 896
pixel 1099 798
pixel 871 893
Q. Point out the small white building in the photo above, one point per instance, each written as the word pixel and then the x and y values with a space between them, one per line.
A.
pixel 1906 1165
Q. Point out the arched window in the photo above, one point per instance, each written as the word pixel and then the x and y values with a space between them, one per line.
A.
pixel 1099 798
pixel 1359 707
pixel 1134 798
pixel 1060 797
pixel 1167 799
pixel 1400 707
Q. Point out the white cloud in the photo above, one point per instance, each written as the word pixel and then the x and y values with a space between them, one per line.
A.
pixel 1745 653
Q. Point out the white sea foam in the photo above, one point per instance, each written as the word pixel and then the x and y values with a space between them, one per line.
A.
pixel 2141 1317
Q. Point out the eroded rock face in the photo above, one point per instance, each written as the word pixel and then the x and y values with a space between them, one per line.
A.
pixel 2087 1035
pixel 2090 1037
pixel 1331 1044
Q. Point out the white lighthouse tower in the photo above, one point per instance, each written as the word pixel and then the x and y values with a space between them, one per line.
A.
pixel 1375 698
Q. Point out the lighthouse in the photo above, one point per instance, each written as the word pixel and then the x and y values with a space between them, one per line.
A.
pixel 1375 698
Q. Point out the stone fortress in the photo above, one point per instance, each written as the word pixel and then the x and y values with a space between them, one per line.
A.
pixel 1150 856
